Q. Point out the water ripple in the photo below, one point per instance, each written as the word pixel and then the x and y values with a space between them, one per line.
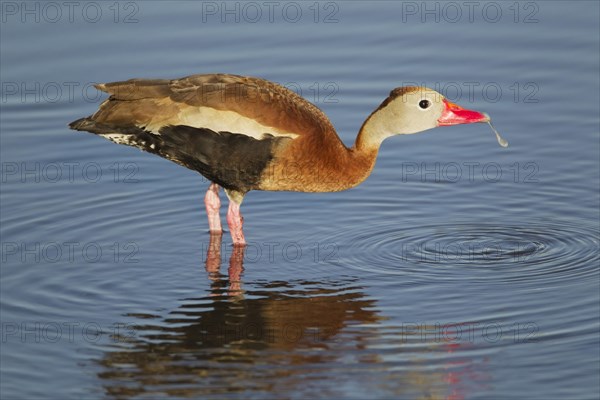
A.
pixel 478 252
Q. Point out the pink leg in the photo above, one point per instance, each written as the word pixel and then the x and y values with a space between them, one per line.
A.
pixel 235 221
pixel 213 204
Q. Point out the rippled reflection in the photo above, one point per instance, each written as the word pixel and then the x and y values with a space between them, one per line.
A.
pixel 280 337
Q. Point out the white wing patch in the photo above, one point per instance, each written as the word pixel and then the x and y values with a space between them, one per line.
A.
pixel 219 121
pixel 118 138
pixel 129 140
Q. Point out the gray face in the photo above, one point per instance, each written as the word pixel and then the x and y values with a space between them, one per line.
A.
pixel 415 111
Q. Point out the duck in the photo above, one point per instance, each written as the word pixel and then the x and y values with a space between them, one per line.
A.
pixel 246 133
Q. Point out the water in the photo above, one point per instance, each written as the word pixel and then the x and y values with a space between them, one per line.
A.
pixel 459 269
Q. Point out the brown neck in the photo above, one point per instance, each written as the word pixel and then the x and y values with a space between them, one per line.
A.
pixel 358 164
pixel 346 167
pixel 351 166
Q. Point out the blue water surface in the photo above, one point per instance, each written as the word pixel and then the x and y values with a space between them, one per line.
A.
pixel 459 269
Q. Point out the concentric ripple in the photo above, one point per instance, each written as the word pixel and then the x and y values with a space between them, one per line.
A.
pixel 517 252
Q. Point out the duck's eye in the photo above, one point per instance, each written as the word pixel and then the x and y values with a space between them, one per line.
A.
pixel 424 104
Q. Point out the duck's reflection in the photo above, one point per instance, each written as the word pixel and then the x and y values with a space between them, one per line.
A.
pixel 224 341
pixel 272 338
pixel 213 265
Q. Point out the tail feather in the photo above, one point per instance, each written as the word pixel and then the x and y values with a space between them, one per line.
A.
pixel 82 124
pixel 88 124
pixel 130 135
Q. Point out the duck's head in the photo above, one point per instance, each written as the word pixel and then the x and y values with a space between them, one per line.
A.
pixel 414 109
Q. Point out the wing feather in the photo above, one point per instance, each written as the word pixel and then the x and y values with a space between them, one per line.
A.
pixel 219 102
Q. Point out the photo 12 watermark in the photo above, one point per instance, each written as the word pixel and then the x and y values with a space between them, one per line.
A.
pixel 252 12
pixel 68 172
pixel 69 332
pixel 453 12
pixel 470 171
pixel 490 92
pixel 52 12
pixel 471 252
pixel 469 332
pixel 274 252
pixel 36 92
pixel 69 252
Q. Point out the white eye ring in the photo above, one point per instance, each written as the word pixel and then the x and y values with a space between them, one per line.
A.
pixel 424 104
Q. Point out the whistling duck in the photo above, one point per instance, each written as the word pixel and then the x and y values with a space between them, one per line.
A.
pixel 245 133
